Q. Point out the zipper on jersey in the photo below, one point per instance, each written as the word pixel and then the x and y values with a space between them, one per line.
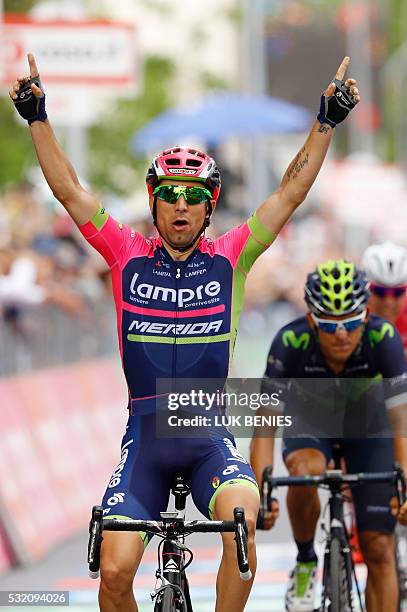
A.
pixel 174 352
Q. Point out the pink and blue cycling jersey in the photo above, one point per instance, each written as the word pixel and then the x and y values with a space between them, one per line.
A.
pixel 176 319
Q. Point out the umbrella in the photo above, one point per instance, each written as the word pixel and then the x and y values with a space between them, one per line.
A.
pixel 220 116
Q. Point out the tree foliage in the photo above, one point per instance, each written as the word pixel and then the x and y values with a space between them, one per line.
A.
pixel 18 6
pixel 112 165
pixel 16 151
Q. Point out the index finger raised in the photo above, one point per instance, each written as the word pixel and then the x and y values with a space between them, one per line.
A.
pixel 342 68
pixel 33 65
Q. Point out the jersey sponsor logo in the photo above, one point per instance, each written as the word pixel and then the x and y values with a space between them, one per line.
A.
pixel 246 477
pixel 117 498
pixel 166 294
pixel 162 273
pixel 377 335
pixel 195 273
pixel 236 456
pixel 302 341
pixel 230 470
pixel 117 474
pixel 171 566
pixel 215 482
pixel 188 329
pixel 397 380
pixel 314 369
pixel 277 363
pixel 357 368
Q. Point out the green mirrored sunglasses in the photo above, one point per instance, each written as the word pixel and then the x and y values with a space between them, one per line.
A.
pixel 192 195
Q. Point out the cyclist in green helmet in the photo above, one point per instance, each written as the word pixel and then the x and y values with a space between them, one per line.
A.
pixel 342 349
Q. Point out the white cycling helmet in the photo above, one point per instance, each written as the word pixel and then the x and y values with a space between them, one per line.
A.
pixel 386 264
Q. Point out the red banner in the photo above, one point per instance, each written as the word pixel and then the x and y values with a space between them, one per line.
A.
pixel 61 433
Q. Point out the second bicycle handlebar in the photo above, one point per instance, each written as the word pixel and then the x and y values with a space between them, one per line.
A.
pixel 332 478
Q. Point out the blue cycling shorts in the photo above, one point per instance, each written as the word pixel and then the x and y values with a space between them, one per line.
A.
pixel 139 487
pixel 371 501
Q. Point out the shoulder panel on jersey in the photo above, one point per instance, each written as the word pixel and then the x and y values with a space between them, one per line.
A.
pixel 112 239
pixel 259 240
pixel 230 245
pixel 386 346
pixel 95 224
pixel 300 341
pixel 283 354
pixel 243 244
pixel 378 329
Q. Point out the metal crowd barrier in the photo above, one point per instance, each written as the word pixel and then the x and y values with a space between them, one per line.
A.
pixel 47 336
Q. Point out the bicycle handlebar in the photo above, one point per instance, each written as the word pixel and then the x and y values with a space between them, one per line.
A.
pixel 333 478
pixel 160 527
pixel 176 526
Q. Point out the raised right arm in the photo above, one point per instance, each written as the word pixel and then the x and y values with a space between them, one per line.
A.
pixel 57 169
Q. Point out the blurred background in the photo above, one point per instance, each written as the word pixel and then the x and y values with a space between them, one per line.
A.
pixel 124 79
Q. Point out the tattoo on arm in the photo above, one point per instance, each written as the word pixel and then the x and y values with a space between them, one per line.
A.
pixel 298 163
pixel 323 129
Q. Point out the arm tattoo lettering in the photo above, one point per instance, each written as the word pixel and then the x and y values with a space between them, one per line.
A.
pixel 298 163
pixel 323 129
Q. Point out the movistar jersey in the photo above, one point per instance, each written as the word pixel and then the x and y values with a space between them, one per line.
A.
pixel 295 353
pixel 176 319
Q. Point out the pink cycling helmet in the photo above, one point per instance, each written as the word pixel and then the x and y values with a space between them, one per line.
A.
pixel 184 163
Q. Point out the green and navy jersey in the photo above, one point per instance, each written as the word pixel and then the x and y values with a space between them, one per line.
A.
pixel 295 353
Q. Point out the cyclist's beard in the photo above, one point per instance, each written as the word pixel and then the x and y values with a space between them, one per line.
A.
pixel 189 241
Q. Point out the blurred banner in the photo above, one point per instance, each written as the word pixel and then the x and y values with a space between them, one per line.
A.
pixel 87 52
pixel 61 431
pixel 81 62
pixel 6 554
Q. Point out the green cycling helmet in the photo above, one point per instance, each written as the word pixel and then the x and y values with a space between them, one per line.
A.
pixel 336 288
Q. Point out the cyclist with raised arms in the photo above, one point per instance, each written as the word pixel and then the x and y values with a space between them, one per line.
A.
pixel 386 268
pixel 178 299
pixel 343 351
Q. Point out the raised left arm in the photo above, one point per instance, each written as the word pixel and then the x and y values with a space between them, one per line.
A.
pixel 336 102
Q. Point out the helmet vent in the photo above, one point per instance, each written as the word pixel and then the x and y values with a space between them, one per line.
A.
pixel 193 162
pixel 171 151
pixel 197 153
pixel 172 162
pixel 335 273
pixel 337 288
pixel 337 303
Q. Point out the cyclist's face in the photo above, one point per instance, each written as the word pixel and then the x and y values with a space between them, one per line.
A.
pixel 338 347
pixel 388 307
pixel 179 223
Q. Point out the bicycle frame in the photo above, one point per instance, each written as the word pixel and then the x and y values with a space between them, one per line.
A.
pixel 334 480
pixel 337 530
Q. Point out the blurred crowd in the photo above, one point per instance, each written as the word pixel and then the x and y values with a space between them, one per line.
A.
pixel 43 260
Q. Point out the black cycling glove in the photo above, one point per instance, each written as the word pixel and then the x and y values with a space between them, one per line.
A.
pixel 334 109
pixel 28 105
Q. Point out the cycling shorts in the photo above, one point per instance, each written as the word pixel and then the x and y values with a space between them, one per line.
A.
pixel 140 485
